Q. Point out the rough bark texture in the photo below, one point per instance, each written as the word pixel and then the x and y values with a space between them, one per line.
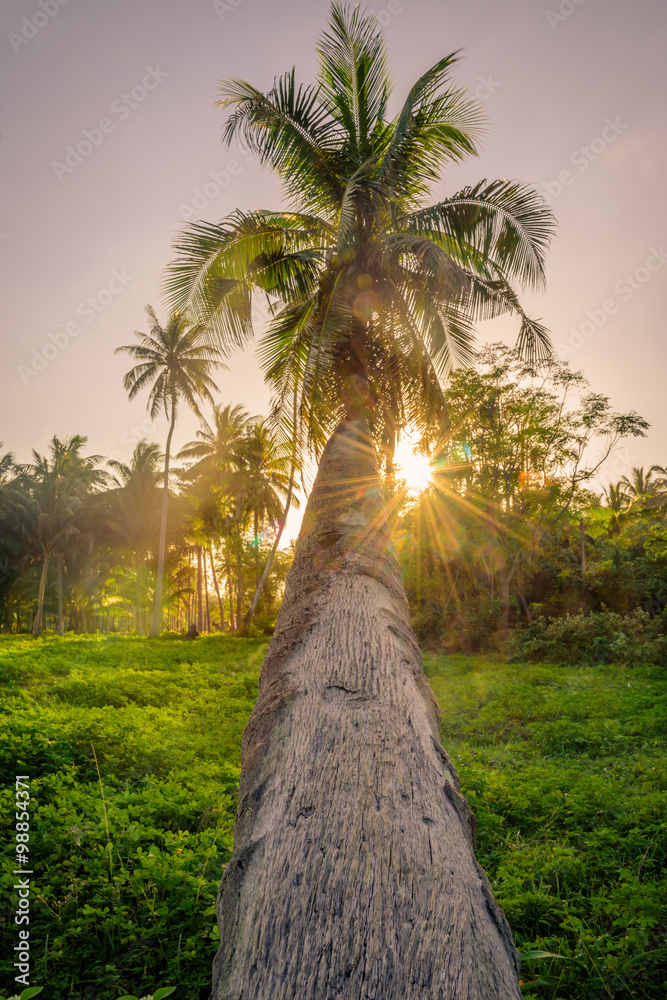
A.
pixel 353 875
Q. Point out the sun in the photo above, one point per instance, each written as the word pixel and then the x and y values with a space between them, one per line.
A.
pixel 414 468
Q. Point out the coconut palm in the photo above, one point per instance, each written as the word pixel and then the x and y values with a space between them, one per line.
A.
pixel 375 292
pixel 215 479
pixel 374 295
pixel 217 441
pixel 55 489
pixel 268 475
pixel 6 465
pixel 175 361
pixel 133 507
pixel 660 482
pixel 644 489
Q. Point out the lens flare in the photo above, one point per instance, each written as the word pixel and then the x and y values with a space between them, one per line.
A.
pixel 414 468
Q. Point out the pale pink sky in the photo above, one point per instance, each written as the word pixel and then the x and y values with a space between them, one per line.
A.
pixel 575 92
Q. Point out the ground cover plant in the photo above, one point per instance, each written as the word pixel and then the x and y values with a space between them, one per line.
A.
pixel 564 767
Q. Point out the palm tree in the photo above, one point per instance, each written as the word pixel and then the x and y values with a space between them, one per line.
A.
pixel 133 507
pixel 644 489
pixel 175 361
pixel 374 297
pixel 616 497
pixel 269 477
pixel 56 488
pixel 217 442
pixel 6 465
pixel 216 476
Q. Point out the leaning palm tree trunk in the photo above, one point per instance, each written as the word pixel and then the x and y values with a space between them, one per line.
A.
pixel 38 623
pixel 274 549
pixel 217 590
pixel 137 593
pixel 157 607
pixel 353 872
pixel 61 617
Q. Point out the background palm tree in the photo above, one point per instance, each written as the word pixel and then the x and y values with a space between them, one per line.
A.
pixel 175 361
pixel 644 489
pixel 269 470
pixel 6 465
pixel 216 481
pixel 133 508
pixel 375 294
pixel 56 488
pixel 217 441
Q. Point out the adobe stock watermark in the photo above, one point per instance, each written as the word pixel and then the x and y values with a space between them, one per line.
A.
pixel 136 433
pixel 122 107
pixel 625 288
pixel 87 310
pixel 387 14
pixel 212 188
pixel 622 463
pixel 223 7
pixel 582 158
pixel 31 26
pixel 565 9
pixel 486 86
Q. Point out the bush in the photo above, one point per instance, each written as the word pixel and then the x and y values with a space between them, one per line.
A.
pixel 472 628
pixel 598 637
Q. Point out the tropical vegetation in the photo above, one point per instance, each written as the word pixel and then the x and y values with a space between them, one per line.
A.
pixel 564 767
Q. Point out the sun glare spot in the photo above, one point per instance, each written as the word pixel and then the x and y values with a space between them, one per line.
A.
pixel 414 468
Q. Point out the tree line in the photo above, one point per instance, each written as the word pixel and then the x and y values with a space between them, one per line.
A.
pixel 511 526
pixel 80 538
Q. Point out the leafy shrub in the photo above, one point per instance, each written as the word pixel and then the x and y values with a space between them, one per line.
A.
pixel 472 627
pixel 597 637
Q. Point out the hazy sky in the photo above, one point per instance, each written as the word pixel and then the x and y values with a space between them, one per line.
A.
pixel 110 140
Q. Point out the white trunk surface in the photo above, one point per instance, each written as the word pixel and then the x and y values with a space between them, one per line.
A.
pixel 353 875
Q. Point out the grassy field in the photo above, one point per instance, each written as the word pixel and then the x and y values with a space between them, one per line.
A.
pixel 564 767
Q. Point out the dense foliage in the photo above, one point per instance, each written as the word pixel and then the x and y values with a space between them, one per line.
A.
pixel 79 546
pixel 564 767
pixel 510 528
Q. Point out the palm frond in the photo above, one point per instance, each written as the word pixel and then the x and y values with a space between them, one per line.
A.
pixel 289 131
pixel 353 76
pixel 506 222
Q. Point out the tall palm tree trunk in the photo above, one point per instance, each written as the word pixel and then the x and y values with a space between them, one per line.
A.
pixel 155 626
pixel 207 602
pixel 38 623
pixel 256 544
pixel 217 590
pixel 239 575
pixel 61 617
pixel 137 592
pixel 200 603
pixel 230 591
pixel 353 872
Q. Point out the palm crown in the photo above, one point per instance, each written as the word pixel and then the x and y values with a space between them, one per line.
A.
pixel 175 361
pixel 374 294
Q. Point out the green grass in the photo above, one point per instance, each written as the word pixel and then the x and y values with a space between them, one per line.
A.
pixel 564 767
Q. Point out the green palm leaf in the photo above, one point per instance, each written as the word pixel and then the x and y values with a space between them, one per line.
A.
pixel 373 294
